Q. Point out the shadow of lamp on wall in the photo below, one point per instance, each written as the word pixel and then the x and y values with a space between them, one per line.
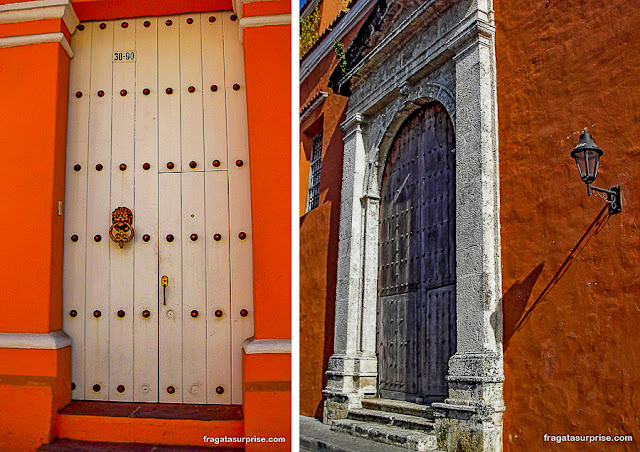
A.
pixel 587 155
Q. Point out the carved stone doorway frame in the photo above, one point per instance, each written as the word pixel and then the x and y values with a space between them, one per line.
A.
pixel 456 68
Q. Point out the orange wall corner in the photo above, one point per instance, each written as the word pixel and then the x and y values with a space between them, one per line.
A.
pixel 268 79
pixel 34 385
pixel 267 383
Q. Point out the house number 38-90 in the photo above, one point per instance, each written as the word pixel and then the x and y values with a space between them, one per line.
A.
pixel 124 57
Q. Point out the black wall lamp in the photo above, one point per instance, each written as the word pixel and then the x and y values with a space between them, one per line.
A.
pixel 587 155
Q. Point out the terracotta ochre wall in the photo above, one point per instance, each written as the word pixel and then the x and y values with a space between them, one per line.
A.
pixel 571 292
pixel 319 229
pixel 318 256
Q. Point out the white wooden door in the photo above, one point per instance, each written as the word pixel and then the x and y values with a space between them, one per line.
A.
pixel 157 124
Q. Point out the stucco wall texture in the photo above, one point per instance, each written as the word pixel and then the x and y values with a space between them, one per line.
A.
pixel 570 272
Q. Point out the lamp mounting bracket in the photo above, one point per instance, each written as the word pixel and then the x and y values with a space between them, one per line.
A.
pixel 613 197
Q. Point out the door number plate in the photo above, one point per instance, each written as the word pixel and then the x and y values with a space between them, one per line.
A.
pixel 124 56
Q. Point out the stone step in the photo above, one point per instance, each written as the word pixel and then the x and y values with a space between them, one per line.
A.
pixel 68 445
pixel 410 440
pixel 318 437
pixel 416 423
pixel 398 406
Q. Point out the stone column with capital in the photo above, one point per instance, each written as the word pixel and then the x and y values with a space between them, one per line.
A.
pixel 353 366
pixel 471 417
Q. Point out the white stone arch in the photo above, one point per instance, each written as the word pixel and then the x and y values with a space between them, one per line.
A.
pixel 430 92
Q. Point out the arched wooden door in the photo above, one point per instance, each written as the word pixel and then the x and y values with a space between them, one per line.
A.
pixel 417 256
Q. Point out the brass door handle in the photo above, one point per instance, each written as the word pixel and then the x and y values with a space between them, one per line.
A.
pixel 121 230
pixel 165 283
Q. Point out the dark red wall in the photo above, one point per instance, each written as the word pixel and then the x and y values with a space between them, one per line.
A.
pixel 570 272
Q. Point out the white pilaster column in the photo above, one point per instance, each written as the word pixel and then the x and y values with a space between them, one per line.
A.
pixel 351 372
pixel 371 213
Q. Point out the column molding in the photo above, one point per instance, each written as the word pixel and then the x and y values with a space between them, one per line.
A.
pixel 35 341
pixel 253 346
pixel 39 10
pixel 42 38
pixel 35 11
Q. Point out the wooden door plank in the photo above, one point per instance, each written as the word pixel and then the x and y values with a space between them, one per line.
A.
pixel 218 288
pixel 122 195
pixel 75 205
pixel 169 104
pixel 145 327
pixel 98 215
pixel 170 265
pixel 213 92
pixel 241 258
pixel 191 135
pixel 194 311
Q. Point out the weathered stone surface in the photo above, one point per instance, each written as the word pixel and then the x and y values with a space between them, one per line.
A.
pixel 407 439
pixel 315 436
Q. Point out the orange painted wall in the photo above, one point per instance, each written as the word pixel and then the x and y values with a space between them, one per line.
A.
pixel 35 27
pixel 267 8
pixel 34 385
pixel 268 79
pixel 266 380
pixel 570 278
pixel 319 231
pixel 34 88
pixel 267 377
pixel 318 258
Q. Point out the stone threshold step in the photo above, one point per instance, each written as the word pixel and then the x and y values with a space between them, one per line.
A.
pixel 411 440
pixel 398 406
pixel 68 445
pixel 149 423
pixel 416 423
pixel 154 410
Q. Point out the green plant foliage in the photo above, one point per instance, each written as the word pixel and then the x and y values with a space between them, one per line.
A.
pixel 338 49
pixel 309 30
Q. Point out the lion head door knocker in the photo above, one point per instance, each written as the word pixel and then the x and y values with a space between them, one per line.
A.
pixel 121 230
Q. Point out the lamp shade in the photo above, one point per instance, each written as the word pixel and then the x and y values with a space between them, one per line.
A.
pixel 587 155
